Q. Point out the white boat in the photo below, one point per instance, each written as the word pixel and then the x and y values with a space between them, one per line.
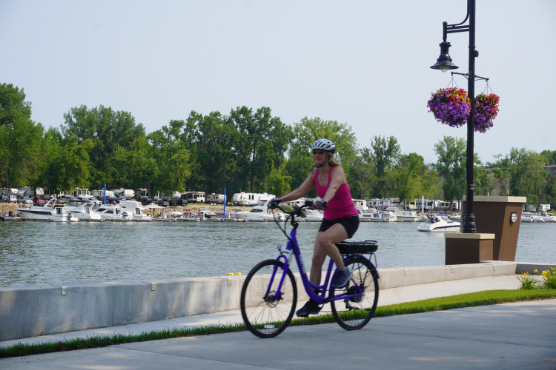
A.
pixel 135 210
pixel 374 215
pixel 547 217
pixel 47 213
pixel 259 213
pixel 404 216
pixel 205 212
pixel 83 211
pixel 408 216
pixel 439 223
pixel 455 217
pixel 172 214
pixel 531 217
pixel 114 213
pixel 312 216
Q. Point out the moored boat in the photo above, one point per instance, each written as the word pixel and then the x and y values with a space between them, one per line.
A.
pixel 47 212
pixel 114 213
pixel 83 210
pixel 531 217
pixel 258 213
pixel 135 209
pixel 373 215
pixel 439 223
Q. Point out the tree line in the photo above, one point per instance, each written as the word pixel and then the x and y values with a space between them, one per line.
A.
pixel 245 150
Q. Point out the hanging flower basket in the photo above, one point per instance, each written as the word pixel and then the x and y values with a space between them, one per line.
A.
pixel 450 106
pixel 486 110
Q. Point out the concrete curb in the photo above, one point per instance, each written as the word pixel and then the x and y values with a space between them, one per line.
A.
pixel 41 310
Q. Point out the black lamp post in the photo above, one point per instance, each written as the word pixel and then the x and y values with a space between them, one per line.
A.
pixel 444 63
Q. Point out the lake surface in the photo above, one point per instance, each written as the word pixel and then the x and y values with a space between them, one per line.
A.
pixel 49 253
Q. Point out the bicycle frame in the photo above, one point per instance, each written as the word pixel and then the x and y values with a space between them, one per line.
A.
pixel 285 256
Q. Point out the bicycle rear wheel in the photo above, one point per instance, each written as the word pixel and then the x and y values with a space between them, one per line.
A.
pixel 265 313
pixel 354 313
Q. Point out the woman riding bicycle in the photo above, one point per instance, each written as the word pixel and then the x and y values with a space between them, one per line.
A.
pixel 341 218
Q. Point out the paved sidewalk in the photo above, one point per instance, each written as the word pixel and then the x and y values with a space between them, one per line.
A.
pixel 508 336
pixel 386 297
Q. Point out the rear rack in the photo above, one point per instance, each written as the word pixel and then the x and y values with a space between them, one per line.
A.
pixel 367 246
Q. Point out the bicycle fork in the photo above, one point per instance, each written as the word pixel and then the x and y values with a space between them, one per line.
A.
pixel 285 256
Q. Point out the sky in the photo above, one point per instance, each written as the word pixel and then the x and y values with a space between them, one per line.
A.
pixel 364 63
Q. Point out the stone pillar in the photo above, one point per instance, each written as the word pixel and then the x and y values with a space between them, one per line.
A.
pixel 468 248
pixel 494 215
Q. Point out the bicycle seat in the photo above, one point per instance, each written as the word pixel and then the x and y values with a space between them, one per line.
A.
pixel 367 246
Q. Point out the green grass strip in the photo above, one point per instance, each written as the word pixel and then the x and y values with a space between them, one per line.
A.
pixel 489 297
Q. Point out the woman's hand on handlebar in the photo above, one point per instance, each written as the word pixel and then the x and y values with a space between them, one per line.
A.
pixel 274 202
pixel 322 204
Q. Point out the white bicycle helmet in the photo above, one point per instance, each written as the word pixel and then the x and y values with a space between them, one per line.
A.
pixel 324 144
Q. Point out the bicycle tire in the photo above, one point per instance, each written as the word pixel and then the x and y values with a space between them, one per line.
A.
pixel 355 313
pixel 264 316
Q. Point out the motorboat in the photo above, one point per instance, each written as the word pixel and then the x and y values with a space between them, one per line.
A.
pixel 455 217
pixel 114 212
pixel 205 212
pixel 172 214
pixel 404 216
pixel 531 217
pixel 259 212
pixel 312 216
pixel 374 215
pixel 439 223
pixel 135 210
pixel 83 210
pixel 547 217
pixel 47 212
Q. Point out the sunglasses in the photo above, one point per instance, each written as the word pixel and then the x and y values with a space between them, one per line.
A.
pixel 319 152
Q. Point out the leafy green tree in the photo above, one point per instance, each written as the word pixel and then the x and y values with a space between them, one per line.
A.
pixel 528 175
pixel 309 130
pixel 451 165
pixel 279 182
pixel 213 156
pixel 136 166
pixel 299 165
pixel 261 142
pixel 550 157
pixel 69 165
pixel 410 177
pixel 13 104
pixel 20 138
pixel 172 161
pixel 20 144
pixel 386 152
pixel 498 174
pixel 108 130
pixel 362 176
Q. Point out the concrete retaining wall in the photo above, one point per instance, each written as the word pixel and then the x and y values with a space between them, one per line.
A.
pixel 40 310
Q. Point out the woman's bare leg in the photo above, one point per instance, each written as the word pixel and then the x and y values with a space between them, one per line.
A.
pixel 324 246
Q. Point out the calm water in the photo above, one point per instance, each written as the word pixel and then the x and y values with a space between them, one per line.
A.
pixel 37 253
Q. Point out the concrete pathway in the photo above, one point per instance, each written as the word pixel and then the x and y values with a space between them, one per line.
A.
pixel 386 297
pixel 508 336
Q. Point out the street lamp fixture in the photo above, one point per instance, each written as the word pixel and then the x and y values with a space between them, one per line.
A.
pixel 444 63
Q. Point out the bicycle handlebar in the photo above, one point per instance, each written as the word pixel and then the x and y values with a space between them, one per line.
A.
pixel 297 211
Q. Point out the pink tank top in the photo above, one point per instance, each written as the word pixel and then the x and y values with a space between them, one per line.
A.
pixel 341 205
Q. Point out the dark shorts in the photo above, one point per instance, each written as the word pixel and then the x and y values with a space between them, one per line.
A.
pixel 351 224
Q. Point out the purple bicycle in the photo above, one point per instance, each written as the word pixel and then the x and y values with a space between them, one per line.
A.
pixel 269 293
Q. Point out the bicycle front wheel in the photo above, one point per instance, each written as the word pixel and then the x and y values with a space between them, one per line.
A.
pixel 354 313
pixel 268 299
